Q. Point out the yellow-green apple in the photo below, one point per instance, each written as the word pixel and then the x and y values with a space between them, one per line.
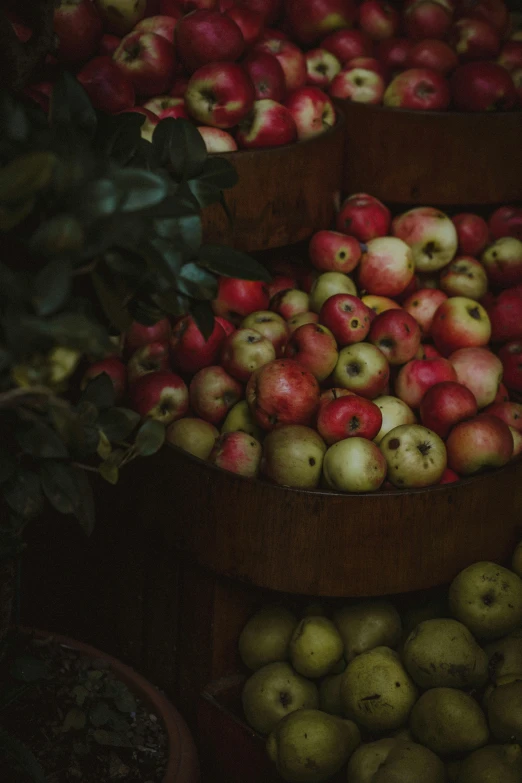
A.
pixel 237 298
pixel 393 54
pixel 310 20
pixel 147 60
pixel 300 319
pixel 312 110
pixel 464 276
pixel 480 371
pixel 270 10
pixel 290 302
pixel 517 441
pixel 431 235
pixel 472 233
pixel 160 25
pixel 114 368
pixel 290 58
pixel 351 416
pixel 149 358
pixel 511 357
pixel 415 455
pixel 266 74
pixel 397 334
pixel 269 124
pixel 328 284
pixel 354 465
pixel 449 477
pixel 506 221
pixel 348 43
pixel 237 452
pixel 139 334
pixel 363 369
pixel 417 376
pixel 505 314
pixel 393 412
pixel 321 67
pixel 313 346
pixel 482 86
pixel 166 106
pixel 108 88
pixel 293 456
pixel 460 322
pixel 250 22
pixel 347 317
pixel 503 262
pixel 78 27
pixel 207 36
pixel 195 436
pixel 332 251
pixel 244 351
pixel 281 283
pixel 427 18
pixel 120 16
pixel 240 417
pixel 189 350
pixel 510 412
pixel 282 392
pixel 379 304
pixel 213 392
pixel 217 140
pixel 474 39
pixel 219 94
pixel 108 44
pixel 272 326
pixel 478 443
pixel 434 54
pixel 418 88
pixel 386 267
pixel 359 85
pixel 162 396
pixel 428 351
pixel 149 124
pixel 364 217
pixel 445 404
pixel 423 305
pixel 378 19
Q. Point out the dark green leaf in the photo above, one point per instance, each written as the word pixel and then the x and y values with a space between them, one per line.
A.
pixel 99 199
pixel 52 286
pixel 40 441
pixel 87 410
pixel 26 668
pixel 11 216
pixel 59 486
pixel 170 253
pixel 100 714
pixel 70 105
pixel 197 282
pixel 229 262
pixel 85 511
pixel 111 302
pixel 118 423
pixel 145 312
pixel 13 118
pixel 205 193
pixel 59 234
pixel 204 317
pixel 99 391
pixel 187 149
pixel 142 189
pixel 12 285
pixel 219 172
pixel 22 756
pixel 74 330
pixel 23 494
pixel 25 176
pixel 120 136
pixel 8 464
pixel 191 231
pixel 150 438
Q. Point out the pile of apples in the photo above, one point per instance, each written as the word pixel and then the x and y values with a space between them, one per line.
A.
pixel 370 694
pixel 389 363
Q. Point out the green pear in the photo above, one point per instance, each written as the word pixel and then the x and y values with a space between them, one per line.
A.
pixel 505 656
pixel 516 560
pixel 330 694
pixel 367 759
pixel 368 624
pixel 311 746
pixel 448 722
pixel 376 691
pixel 239 418
pixel 504 709
pixel 487 598
pixel 492 764
pixel 409 762
pixel 266 636
pixel 274 691
pixel 442 653
pixel 315 647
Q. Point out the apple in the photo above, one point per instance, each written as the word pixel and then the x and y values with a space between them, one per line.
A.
pixel 290 58
pixel 179 87
pixel 109 89
pixel 393 412
pixel 307 278
pixel 149 125
pixel 397 335
pixel 386 267
pixel 114 368
pixel 474 39
pixel 460 322
pixel 472 233
pixel 506 221
pixel 347 43
pixel 250 23
pixel 237 452
pixel 312 110
pixel 449 477
pixel 270 325
pixel 502 394
pixel 120 16
pixel 505 315
pixel 431 235
pixel 281 283
pixel 166 106
pixel 517 442
pixel 378 19
pixel 434 54
pixel 427 18
pixel 217 140
pixel 270 124
pixel 311 20
pixel 415 455
pixel 503 262
pixel 300 319
pixel 227 326
pixel 139 334
pixel 189 350
pixel 479 443
pixel 422 305
pixel 108 44
pixel 270 10
pixel 321 67
pixel 359 85
pixel 510 55
pixel 244 351
pixel 347 317
pixel 464 276
pixel 160 25
pixel 480 371
pixel 493 11
pixel 510 412
pixel 445 404
pixel 363 217
pixel 328 284
pixel 348 417
pixel 149 358
pixel 213 392
pixel 78 27
pixel 418 88
pixel 282 392
pixel 293 456
pixel 332 251
pixel 379 304
pixel 205 37
pixel 354 465
pixel 367 63
pixel 315 348
pixel 511 357
pixel 290 302
pixel 418 375
pixel 219 94
pixel 363 369
pixel 428 351
pixel 482 86
pixel 162 396
pixel 195 436
pixel 239 417
pixel 187 6
pixel 237 298
pixel 394 53
pixel 148 61
pixel 267 76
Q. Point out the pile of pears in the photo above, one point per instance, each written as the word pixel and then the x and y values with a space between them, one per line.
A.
pixel 364 693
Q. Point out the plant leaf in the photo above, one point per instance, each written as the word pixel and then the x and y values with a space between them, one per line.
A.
pixel 110 302
pixel 52 286
pixel 229 262
pixel 118 423
pixel 21 754
pixel 99 391
pixel 150 438
pixel 70 105
pixel 219 172
pixel 23 494
pixel 85 511
pixel 197 282
pixel 187 149
pixel 141 189
pixel 25 176
pixel 40 441
pixel 204 317
pixel 60 486
pixel 13 118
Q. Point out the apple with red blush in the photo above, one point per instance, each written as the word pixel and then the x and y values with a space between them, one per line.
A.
pixel 511 357
pixel 78 27
pixel 472 233
pixel 109 89
pixel 270 325
pixel 505 315
pixel 422 305
pixel 363 369
pixel 418 375
pixel 270 10
pixel 269 124
pixel 290 302
pixel 217 140
pixel 291 59
pixel 350 416
pixel 347 317
pixel 227 326
pixel 364 217
pixel 378 19
pixel 359 85
pixel 237 452
pixel 428 351
pixel 237 298
pixel 418 88
pixel 282 392
pixel 394 53
pixel 267 76
pixel 244 351
pixel 251 23
pixel 479 443
pixel 166 106
pixel 386 267
pixel 397 334
pixel 138 334
pixel 506 221
pixel 379 304
pixel 315 348
pixel 394 412
pixel 332 251
pixel 207 36
pixel 460 322
pixel 108 44
pixel 510 412
pixel 311 20
pixel 434 54
pixel 431 235
pixel 160 25
pixel 120 16
pixel 502 260
pixel 348 43
pixel 464 276
pixel 114 368
pixel 449 477
pixel 510 55
pixel 300 319
pixel 474 39
pixel 495 12
pixel 482 86
pixel 149 358
pixel 281 283
pixel 445 404
pixel 147 60
pixel 427 18
pixel 162 396
pixel 213 392
pixel 321 67
pixel 219 94
pixel 190 350
pixel 367 64
pixel 179 87
pixel 480 371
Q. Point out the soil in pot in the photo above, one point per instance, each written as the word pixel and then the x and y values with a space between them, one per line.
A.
pixel 80 722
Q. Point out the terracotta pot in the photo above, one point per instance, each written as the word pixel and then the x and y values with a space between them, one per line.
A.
pixel 183 764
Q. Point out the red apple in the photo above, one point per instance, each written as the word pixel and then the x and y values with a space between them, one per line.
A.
pixel 493 11
pixel 160 25
pixel 267 76
pixel 505 315
pixel 428 351
pixel 108 88
pixel 270 325
pixel 179 87
pixel 149 358
pixel 506 221
pixel 290 58
pixel 474 39
pixel 270 10
pixel 503 262
pixel 378 19
pixel 238 298
pixel 166 106
pixel 281 283
pixel 386 267
pixel 108 44
pixel 282 392
pixel 427 18
pixel 449 477
pixel 445 404
pixel 213 392
pixel 394 53
pixel 173 7
pixel 78 26
pixel 510 412
pixel 331 251
pixel 397 334
pixel 220 94
pixel 434 54
pixel 290 302
pixel 227 326
pixel 204 37
pixel 120 16
pixel 148 61
pixel 417 376
pixel 460 322
pixel 244 351
pixel 162 396
pixel 368 64
pixel 315 348
pixel 237 452
pixel 418 88
pixel 250 23
pixel 480 371
pixel 347 43
pixel 478 443
pixel 188 6
pixel 502 394
pixel 139 334
pixel 114 368
pixel 359 85
pixel 363 217
pixel 511 357
pixel 321 67
pixel 472 233
pixel 363 369
pixel 270 124
pixel 482 86
pixel 189 350
pixel 311 20
pixel 510 56
pixel 332 394
pixel 347 317
pixel 350 416
pixel 217 140
pixel 312 110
